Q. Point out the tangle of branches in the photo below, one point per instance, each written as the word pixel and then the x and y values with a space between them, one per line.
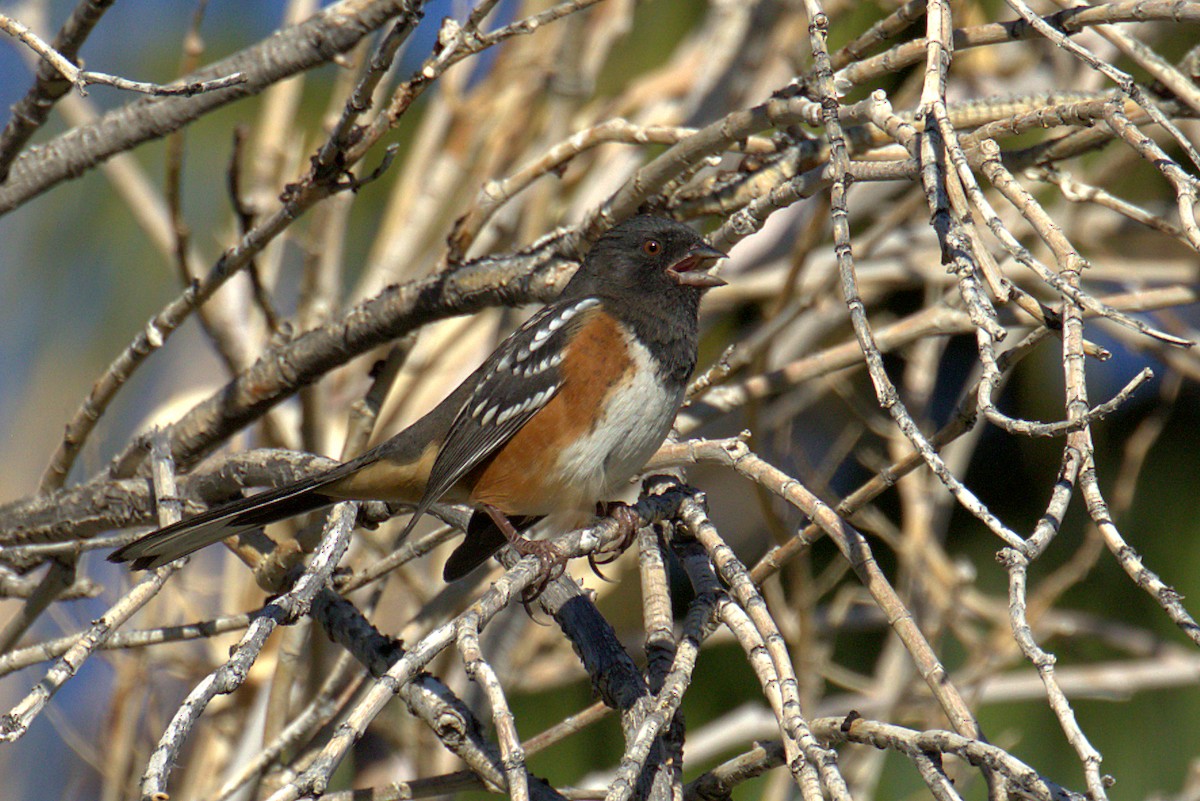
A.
pixel 931 208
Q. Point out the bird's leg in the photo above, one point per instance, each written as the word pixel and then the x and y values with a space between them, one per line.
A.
pixel 627 524
pixel 553 561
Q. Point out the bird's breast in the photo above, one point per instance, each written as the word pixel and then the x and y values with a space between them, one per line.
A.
pixel 635 418
pixel 609 417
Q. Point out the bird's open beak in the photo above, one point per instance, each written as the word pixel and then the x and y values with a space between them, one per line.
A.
pixel 690 270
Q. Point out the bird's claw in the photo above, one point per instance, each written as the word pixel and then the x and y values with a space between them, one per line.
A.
pixel 594 564
pixel 628 524
pixel 553 563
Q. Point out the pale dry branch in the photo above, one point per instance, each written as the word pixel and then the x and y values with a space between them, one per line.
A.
pixel 81 79
pixel 15 723
pixel 948 232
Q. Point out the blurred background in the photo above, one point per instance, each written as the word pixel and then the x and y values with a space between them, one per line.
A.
pixel 85 265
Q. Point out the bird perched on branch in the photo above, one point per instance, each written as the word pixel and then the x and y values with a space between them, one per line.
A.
pixel 559 417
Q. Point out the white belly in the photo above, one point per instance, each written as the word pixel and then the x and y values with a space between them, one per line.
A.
pixel 634 425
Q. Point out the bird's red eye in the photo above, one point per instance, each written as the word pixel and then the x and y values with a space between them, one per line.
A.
pixel 652 247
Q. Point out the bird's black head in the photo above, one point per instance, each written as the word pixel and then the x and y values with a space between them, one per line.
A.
pixel 645 256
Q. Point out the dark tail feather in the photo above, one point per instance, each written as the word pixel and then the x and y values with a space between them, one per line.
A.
pixel 187 536
pixel 483 539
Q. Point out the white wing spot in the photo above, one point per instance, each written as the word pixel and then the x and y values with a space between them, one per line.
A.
pixel 487 418
pixel 535 401
pixel 558 321
pixel 551 361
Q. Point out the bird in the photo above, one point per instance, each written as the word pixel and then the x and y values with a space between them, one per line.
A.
pixel 556 420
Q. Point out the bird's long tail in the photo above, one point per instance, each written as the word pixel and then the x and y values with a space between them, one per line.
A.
pixel 180 539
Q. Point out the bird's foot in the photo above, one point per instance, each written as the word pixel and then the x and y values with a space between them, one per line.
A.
pixel 553 561
pixel 628 524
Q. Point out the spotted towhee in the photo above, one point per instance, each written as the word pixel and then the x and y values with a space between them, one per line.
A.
pixel 558 418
